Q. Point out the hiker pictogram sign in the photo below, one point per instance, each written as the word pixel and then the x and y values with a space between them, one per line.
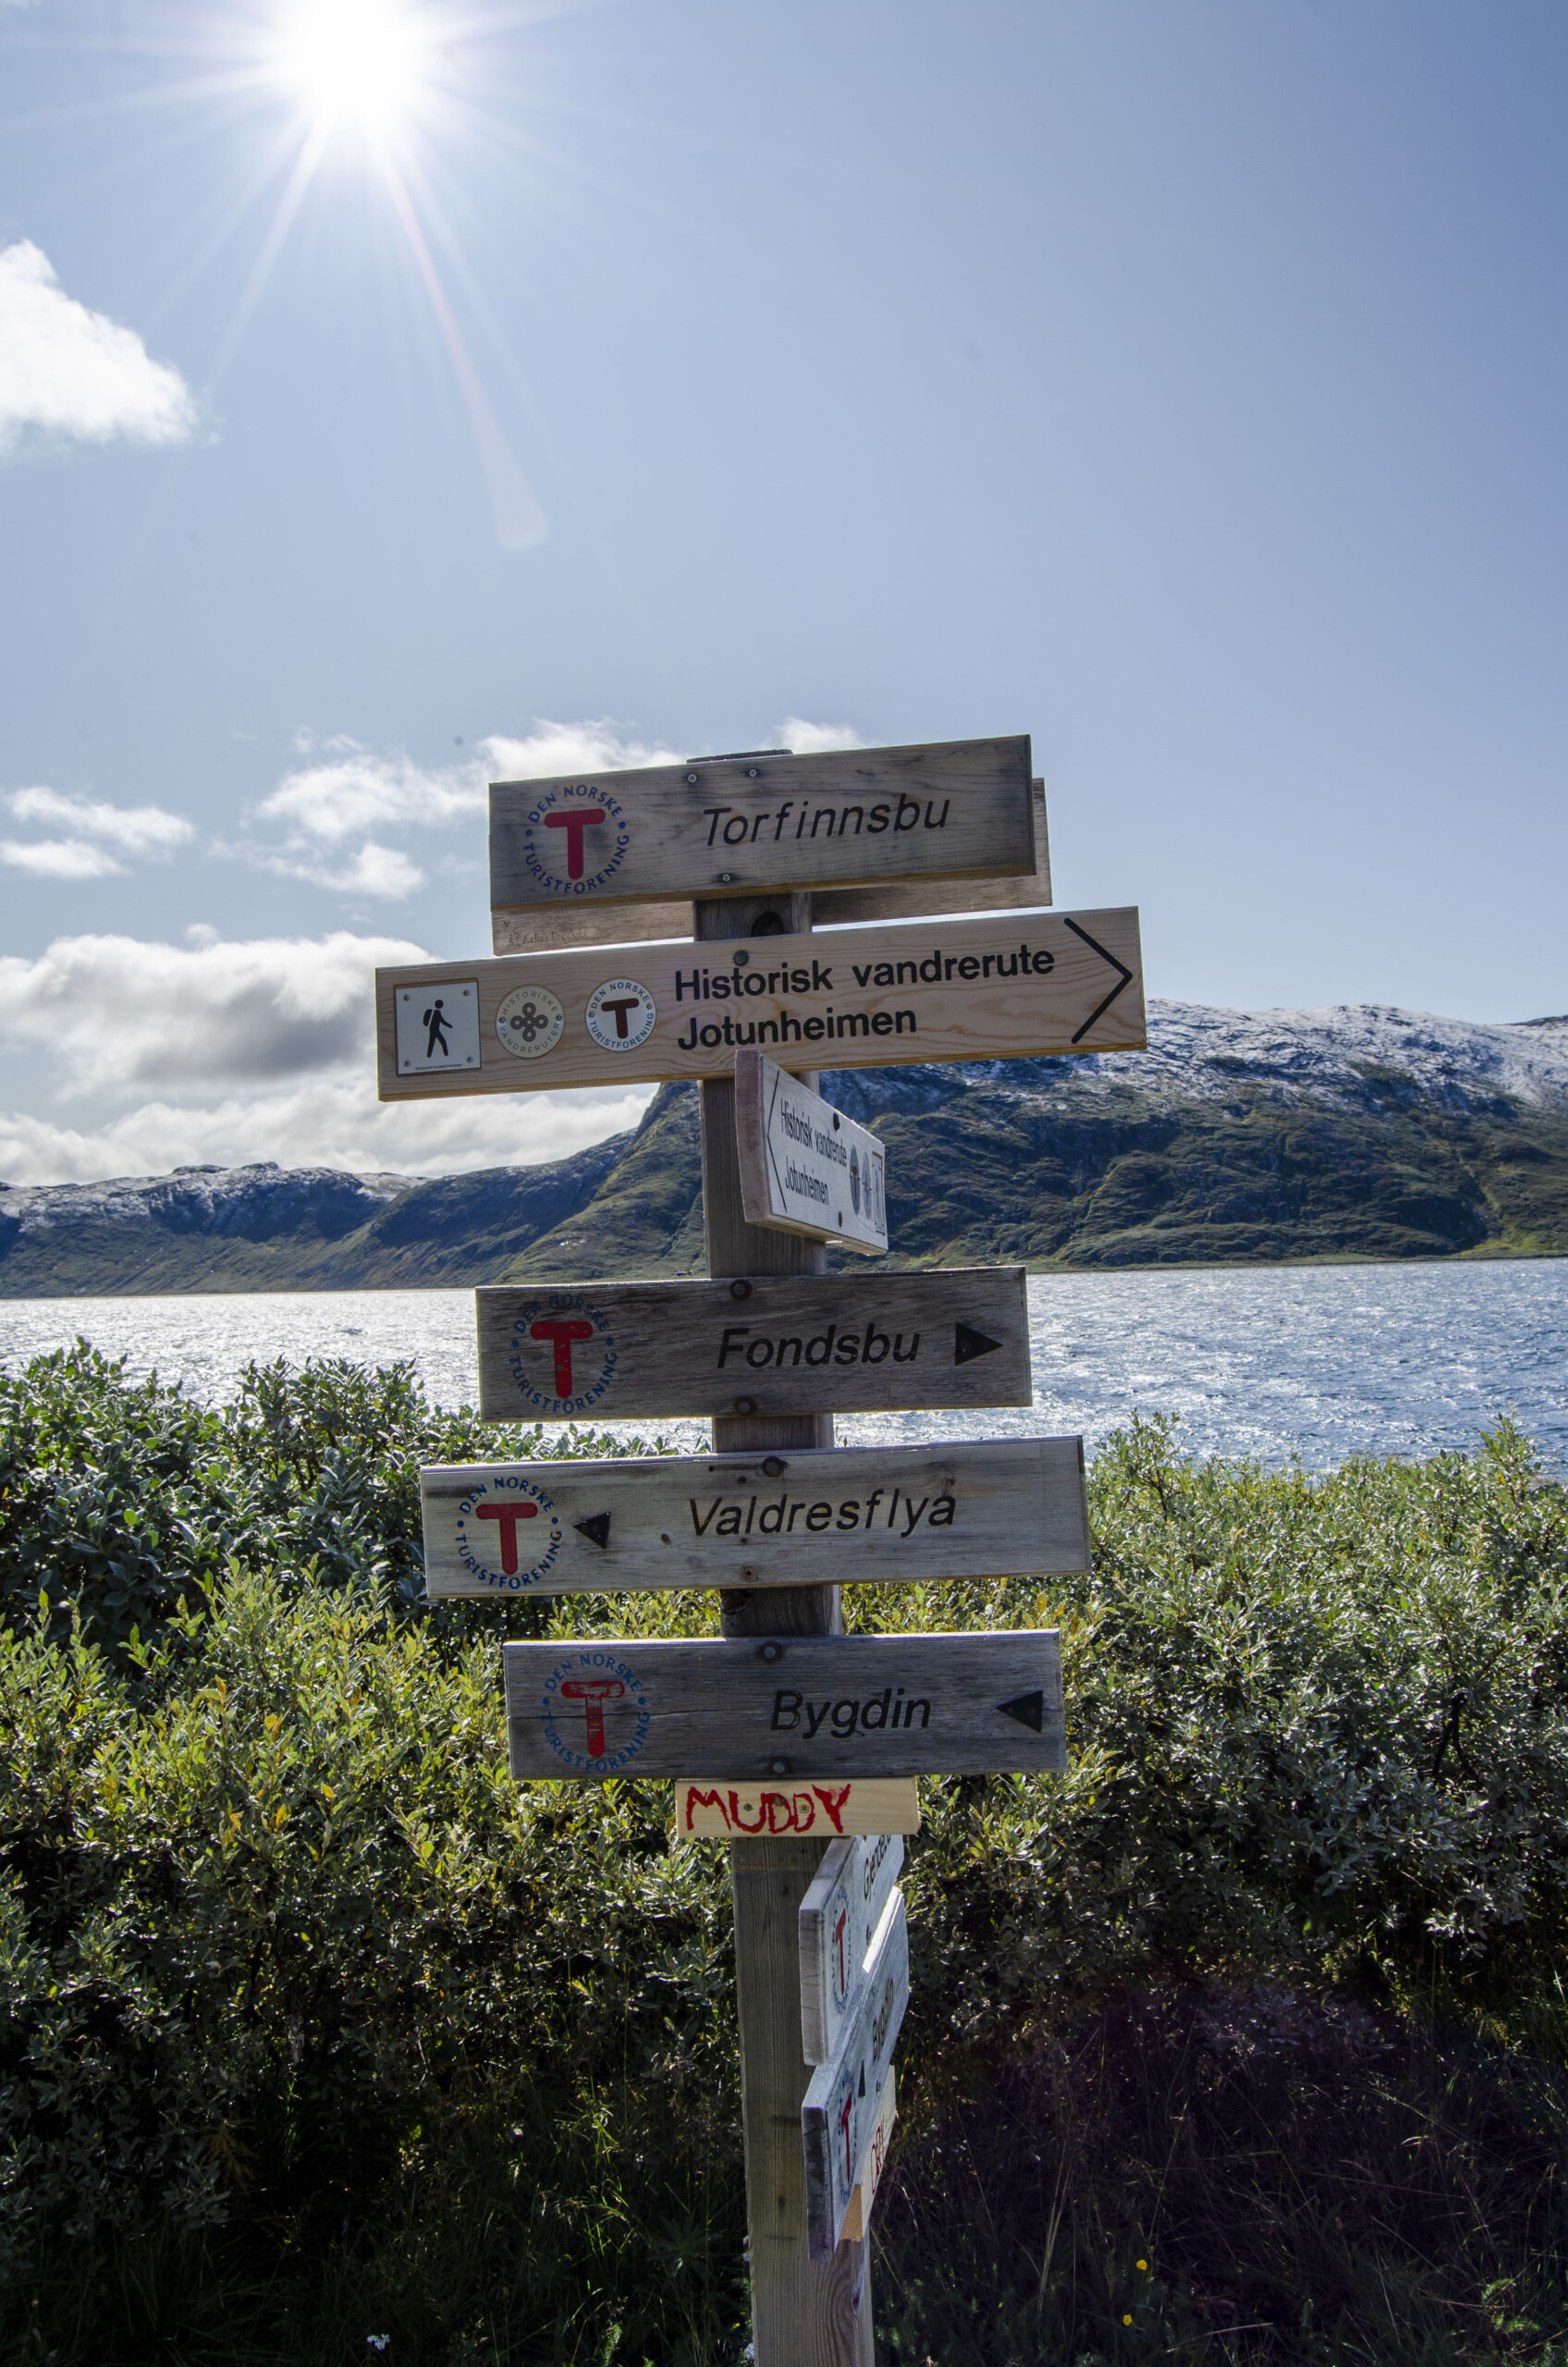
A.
pixel 946 989
pixel 778 1343
pixel 976 1508
pixel 810 1708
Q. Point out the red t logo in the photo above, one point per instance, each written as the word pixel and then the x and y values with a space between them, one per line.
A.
pixel 592 1691
pixel 844 2133
pixel 508 1515
pixel 574 823
pixel 563 1331
pixel 621 1010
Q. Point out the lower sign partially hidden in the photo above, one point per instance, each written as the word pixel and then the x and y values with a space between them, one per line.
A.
pixel 838 1914
pixel 805 1167
pixel 710 1808
pixel 809 1707
pixel 814 1515
pixel 868 2177
pixel 840 2108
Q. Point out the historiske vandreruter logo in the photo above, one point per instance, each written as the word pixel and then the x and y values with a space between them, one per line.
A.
pixel 594 1710
pixel 574 839
pixel 562 1354
pixel 508 1532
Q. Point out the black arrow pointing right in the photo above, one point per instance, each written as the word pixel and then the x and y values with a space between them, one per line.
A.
pixel 969 1343
pixel 1124 980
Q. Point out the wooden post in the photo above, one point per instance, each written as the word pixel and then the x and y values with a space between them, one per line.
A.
pixel 804 2312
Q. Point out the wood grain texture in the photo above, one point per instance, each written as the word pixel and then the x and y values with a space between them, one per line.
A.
pixel 952 989
pixel 537 928
pixel 873 2161
pixel 782 1343
pixel 841 2099
pixel 970 1509
pixel 747 825
pixel 804 1167
pixel 818 1708
pixel 839 1917
pixel 715 1808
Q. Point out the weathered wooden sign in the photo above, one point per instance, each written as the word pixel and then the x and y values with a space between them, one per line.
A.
pixel 809 1707
pixel 731 825
pixel 713 1807
pixel 784 1343
pixel 979 1509
pixel 838 1917
pixel 953 989
pixel 529 928
pixel 873 2161
pixel 841 2102
pixel 804 1167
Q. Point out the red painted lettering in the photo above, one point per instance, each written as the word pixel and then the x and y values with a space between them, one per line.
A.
pixel 574 823
pixel 594 1692
pixel 833 1802
pixel 509 1517
pixel 563 1331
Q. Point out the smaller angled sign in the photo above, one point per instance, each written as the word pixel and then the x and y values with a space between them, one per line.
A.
pixel 838 1914
pixel 842 2101
pixel 804 1167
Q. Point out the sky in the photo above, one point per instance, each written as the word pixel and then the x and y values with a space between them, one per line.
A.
pixel 397 394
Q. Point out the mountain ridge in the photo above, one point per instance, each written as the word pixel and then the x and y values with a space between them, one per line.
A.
pixel 1238 1137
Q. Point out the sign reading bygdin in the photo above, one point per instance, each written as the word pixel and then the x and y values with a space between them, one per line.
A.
pixel 952 990
pixel 735 826
pixel 981 1508
pixel 843 2100
pixel 784 1343
pixel 805 1167
pixel 809 1707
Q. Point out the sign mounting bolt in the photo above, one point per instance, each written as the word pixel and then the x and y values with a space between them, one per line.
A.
pixel 771 1652
pixel 745 1404
pixel 778 1767
pixel 773 1467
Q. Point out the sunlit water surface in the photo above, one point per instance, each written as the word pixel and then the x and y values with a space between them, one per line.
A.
pixel 1315 1362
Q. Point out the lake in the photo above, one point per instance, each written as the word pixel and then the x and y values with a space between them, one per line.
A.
pixel 1276 1362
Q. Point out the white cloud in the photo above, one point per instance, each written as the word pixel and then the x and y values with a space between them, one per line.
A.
pixel 99 834
pixel 812 739
pixel 112 1013
pixel 66 371
pixel 322 1123
pixel 376 870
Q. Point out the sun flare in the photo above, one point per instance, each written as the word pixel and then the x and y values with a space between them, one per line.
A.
pixel 356 62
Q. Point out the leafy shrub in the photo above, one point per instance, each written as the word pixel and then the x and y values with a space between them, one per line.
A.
pixel 306 2001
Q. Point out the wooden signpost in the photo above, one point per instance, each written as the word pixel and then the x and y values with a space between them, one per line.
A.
pixel 530 929
pixel 870 1514
pixel 821 1735
pixel 782 1343
pixel 839 1915
pixel 953 989
pixel 845 2093
pixel 805 1167
pixel 741 826
pixel 717 1807
pixel 813 1708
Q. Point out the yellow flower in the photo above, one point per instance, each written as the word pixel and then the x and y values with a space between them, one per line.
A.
pixel 1127 2318
pixel 1143 2263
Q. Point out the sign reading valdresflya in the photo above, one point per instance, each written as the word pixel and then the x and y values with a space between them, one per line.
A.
pixel 952 990
pixel 728 825
pixel 813 1708
pixel 804 1167
pixel 982 1508
pixel 783 1344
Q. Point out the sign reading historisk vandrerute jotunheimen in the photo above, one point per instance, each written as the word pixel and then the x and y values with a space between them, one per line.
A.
pixel 813 1516
pixel 815 1707
pixel 782 1343
pixel 738 825
pixel 953 989
pixel 804 1167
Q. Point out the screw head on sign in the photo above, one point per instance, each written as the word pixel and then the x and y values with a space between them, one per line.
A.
pixel 745 1404
pixel 749 1573
pixel 725 878
pixel 740 1290
pixel 773 1467
pixel 778 1767
pixel 751 773
pixel 691 780
pixel 770 1651
pixel 741 957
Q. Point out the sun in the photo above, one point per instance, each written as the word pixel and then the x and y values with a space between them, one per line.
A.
pixel 358 63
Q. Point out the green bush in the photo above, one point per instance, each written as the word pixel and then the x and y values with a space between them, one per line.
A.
pixel 313 2020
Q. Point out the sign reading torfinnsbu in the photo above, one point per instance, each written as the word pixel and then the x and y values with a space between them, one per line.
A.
pixel 816 1708
pixel 804 1167
pixel 815 1517
pixel 731 825
pixel 953 989
pixel 783 1344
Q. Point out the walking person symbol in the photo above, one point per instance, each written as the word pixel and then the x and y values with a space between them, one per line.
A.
pixel 436 1020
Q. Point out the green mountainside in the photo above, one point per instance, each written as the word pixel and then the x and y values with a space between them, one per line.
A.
pixel 1237 1137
